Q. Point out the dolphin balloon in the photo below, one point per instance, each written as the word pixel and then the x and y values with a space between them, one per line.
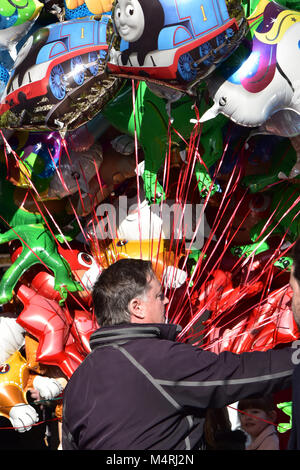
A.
pixel 263 90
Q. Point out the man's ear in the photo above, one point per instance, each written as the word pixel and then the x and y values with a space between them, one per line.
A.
pixel 135 308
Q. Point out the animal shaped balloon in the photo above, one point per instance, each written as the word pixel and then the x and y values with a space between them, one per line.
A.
pixel 17 377
pixel 176 43
pixel 61 331
pixel 58 80
pixel 259 84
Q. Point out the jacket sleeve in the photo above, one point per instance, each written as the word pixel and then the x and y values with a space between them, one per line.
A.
pixel 204 379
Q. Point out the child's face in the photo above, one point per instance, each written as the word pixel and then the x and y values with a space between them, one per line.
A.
pixel 254 421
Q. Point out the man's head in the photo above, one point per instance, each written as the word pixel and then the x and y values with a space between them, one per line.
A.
pixel 129 292
pixel 295 282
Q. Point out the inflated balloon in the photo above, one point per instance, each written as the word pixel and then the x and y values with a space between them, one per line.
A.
pixel 259 84
pixel 282 159
pixel 81 8
pixel 39 155
pixel 149 121
pixel 84 269
pixel 16 19
pixel 12 337
pixel 14 374
pixel 63 335
pixel 18 374
pixel 58 80
pixel 4 77
pixel 281 220
pixel 287 408
pixel 177 42
pixel 74 172
pixel 134 229
pixel 38 247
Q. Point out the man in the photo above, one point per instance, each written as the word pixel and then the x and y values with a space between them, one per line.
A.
pixel 139 389
pixel 294 441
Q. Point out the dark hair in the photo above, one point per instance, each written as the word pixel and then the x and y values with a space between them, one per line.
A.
pixel 265 403
pixel 296 260
pixel 117 286
pixel 230 440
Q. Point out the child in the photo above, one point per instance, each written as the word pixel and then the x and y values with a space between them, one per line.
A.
pixel 256 416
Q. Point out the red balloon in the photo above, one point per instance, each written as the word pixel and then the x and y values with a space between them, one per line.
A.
pixel 63 335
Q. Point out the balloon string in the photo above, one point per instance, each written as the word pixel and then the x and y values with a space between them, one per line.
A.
pixel 2 428
pixel 258 418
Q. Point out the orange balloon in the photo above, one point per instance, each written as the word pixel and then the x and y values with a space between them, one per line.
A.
pixel 14 375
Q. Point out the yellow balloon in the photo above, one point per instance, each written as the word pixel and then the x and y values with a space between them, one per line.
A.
pixel 14 374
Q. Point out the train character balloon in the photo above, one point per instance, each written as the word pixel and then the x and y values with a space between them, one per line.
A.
pixel 174 41
pixel 56 79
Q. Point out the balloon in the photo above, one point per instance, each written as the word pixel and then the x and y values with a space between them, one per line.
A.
pixel 81 8
pixel 39 157
pixel 4 77
pixel 16 19
pixel 74 172
pixel 287 408
pixel 13 379
pixel 175 43
pixel 58 80
pixel 38 246
pixel 149 121
pixel 258 85
pixel 63 336
pixel 12 337
pixel 84 269
pixel 281 219
pixel 134 229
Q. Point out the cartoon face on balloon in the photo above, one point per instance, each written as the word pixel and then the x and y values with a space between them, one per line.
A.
pixel 168 42
pixel 60 64
pixel 129 20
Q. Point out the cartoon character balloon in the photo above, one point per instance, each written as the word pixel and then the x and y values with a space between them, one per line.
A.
pixel 16 19
pixel 58 80
pixel 175 42
pixel 259 85
pixel 81 8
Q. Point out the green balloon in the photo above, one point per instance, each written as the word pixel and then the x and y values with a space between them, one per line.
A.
pixel 150 120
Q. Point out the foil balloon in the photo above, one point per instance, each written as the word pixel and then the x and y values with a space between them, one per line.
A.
pixel 16 19
pixel 38 246
pixel 74 172
pixel 149 120
pixel 84 268
pixel 81 8
pixel 176 43
pixel 4 77
pixel 14 374
pixel 39 155
pixel 58 80
pixel 259 85
pixel 12 337
pixel 281 219
pixel 63 335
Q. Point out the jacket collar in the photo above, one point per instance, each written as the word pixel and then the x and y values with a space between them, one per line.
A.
pixel 128 331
